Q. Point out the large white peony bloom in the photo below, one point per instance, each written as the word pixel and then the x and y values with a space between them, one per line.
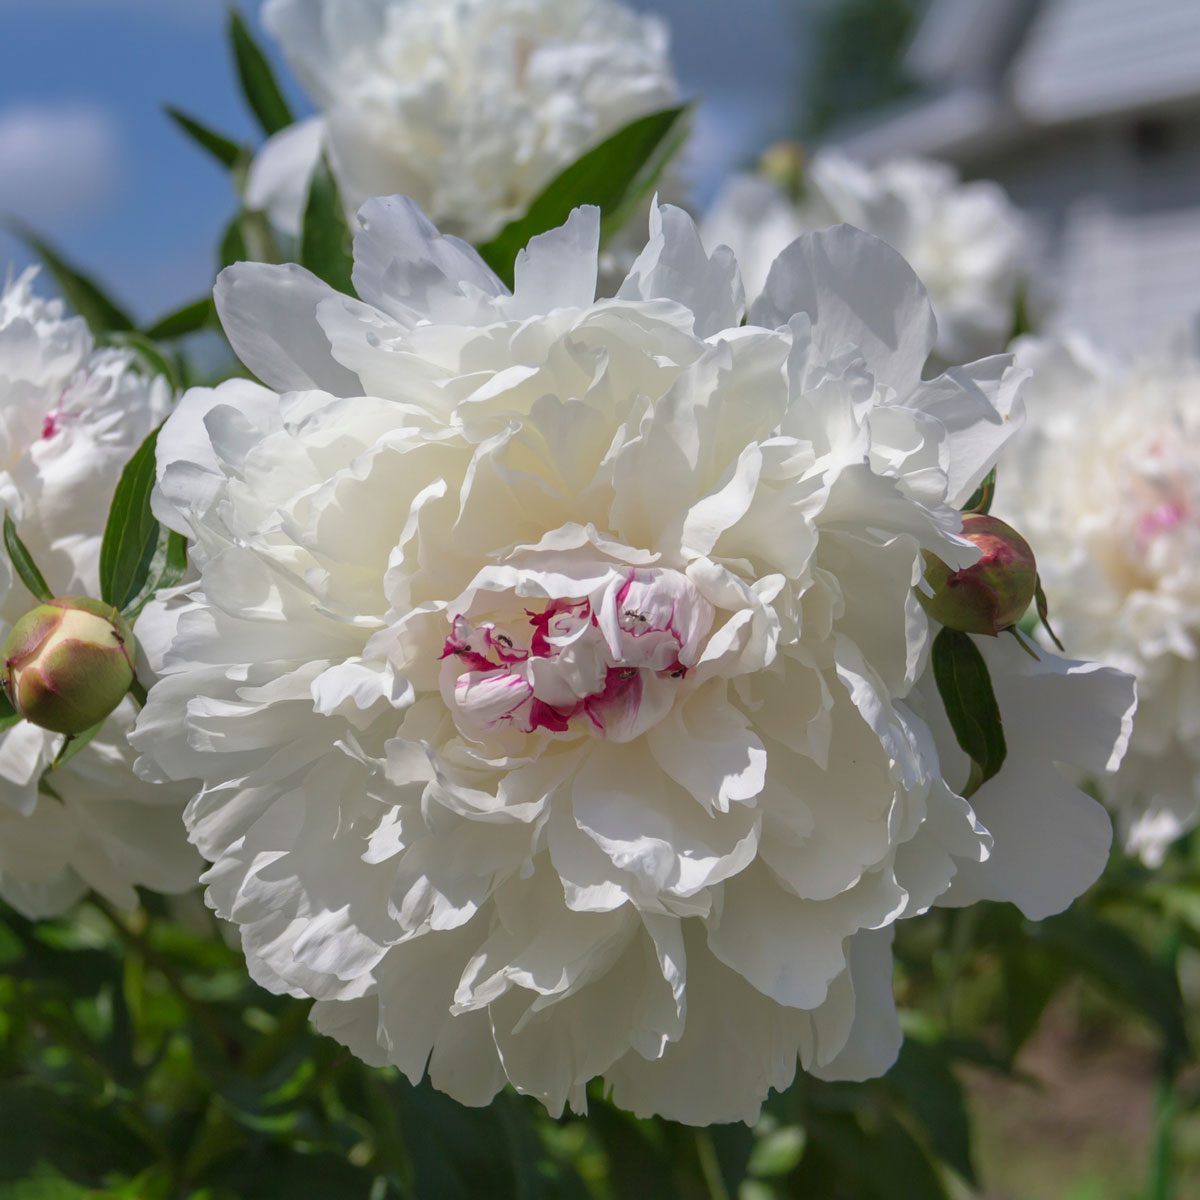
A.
pixel 471 107
pixel 1105 483
pixel 71 416
pixel 967 243
pixel 555 675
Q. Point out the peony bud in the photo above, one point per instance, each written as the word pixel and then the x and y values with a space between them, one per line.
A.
pixel 784 164
pixel 993 594
pixel 68 663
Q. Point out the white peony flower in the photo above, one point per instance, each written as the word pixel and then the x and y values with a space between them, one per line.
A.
pixel 555 674
pixel 71 416
pixel 966 242
pixel 1106 485
pixel 471 107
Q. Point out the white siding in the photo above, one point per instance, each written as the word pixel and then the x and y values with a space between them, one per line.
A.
pixel 1085 58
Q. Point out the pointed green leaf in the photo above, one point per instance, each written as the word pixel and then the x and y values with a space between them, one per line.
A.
pixel 647 178
pixel 616 175
pixel 259 86
pixel 233 248
pixel 966 689
pixel 191 318
pixel 8 715
pixel 981 500
pixel 1043 612
pixel 248 238
pixel 151 357
pixel 23 563
pixel 1022 318
pixel 326 245
pixel 923 1078
pixel 73 745
pixel 132 535
pixel 225 150
pixel 167 568
pixel 83 294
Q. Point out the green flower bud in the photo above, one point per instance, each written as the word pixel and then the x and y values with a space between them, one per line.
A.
pixel 993 594
pixel 68 663
pixel 783 165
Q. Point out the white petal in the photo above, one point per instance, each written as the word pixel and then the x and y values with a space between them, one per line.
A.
pixel 674 266
pixel 981 408
pixel 279 177
pixel 1051 841
pixel 405 267
pixel 558 269
pixel 859 293
pixel 874 1040
pixel 269 314
pixel 706 745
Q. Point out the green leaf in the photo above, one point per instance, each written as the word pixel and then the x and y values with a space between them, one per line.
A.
pixel 966 690
pixel 1129 973
pixel 922 1078
pixel 225 150
pixel 646 180
pixel 167 568
pixel 84 295
pixel 778 1152
pixel 262 92
pixel 45 1187
pixel 325 241
pixel 616 175
pixel 23 563
pixel 985 493
pixel 248 238
pixel 1022 319
pixel 41 1128
pixel 191 318
pixel 151 356
pixel 132 537
pixel 73 745
pixel 232 248
pixel 1043 612
pixel 884 1160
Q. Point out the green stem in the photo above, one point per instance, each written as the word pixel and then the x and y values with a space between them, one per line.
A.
pixel 138 691
pixel 137 942
pixel 1166 1104
pixel 710 1166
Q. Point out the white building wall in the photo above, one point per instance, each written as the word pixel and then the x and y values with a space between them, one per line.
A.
pixel 1119 208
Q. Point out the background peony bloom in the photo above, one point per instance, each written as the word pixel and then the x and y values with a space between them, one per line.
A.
pixel 472 108
pixel 966 241
pixel 71 416
pixel 1106 484
pixel 555 674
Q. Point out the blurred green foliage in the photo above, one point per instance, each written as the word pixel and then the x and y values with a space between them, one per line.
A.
pixel 856 64
pixel 137 1060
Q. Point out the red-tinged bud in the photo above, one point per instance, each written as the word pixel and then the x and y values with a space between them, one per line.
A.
pixel 68 663
pixel 993 594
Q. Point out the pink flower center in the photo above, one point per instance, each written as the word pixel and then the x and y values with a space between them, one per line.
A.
pixel 607 665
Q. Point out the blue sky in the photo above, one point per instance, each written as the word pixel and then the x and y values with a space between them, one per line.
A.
pixel 87 156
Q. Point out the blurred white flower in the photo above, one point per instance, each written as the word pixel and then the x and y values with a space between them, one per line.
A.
pixel 547 672
pixel 1105 482
pixel 71 416
pixel 470 107
pixel 968 244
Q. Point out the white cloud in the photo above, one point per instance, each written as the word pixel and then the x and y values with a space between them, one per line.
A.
pixel 57 162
